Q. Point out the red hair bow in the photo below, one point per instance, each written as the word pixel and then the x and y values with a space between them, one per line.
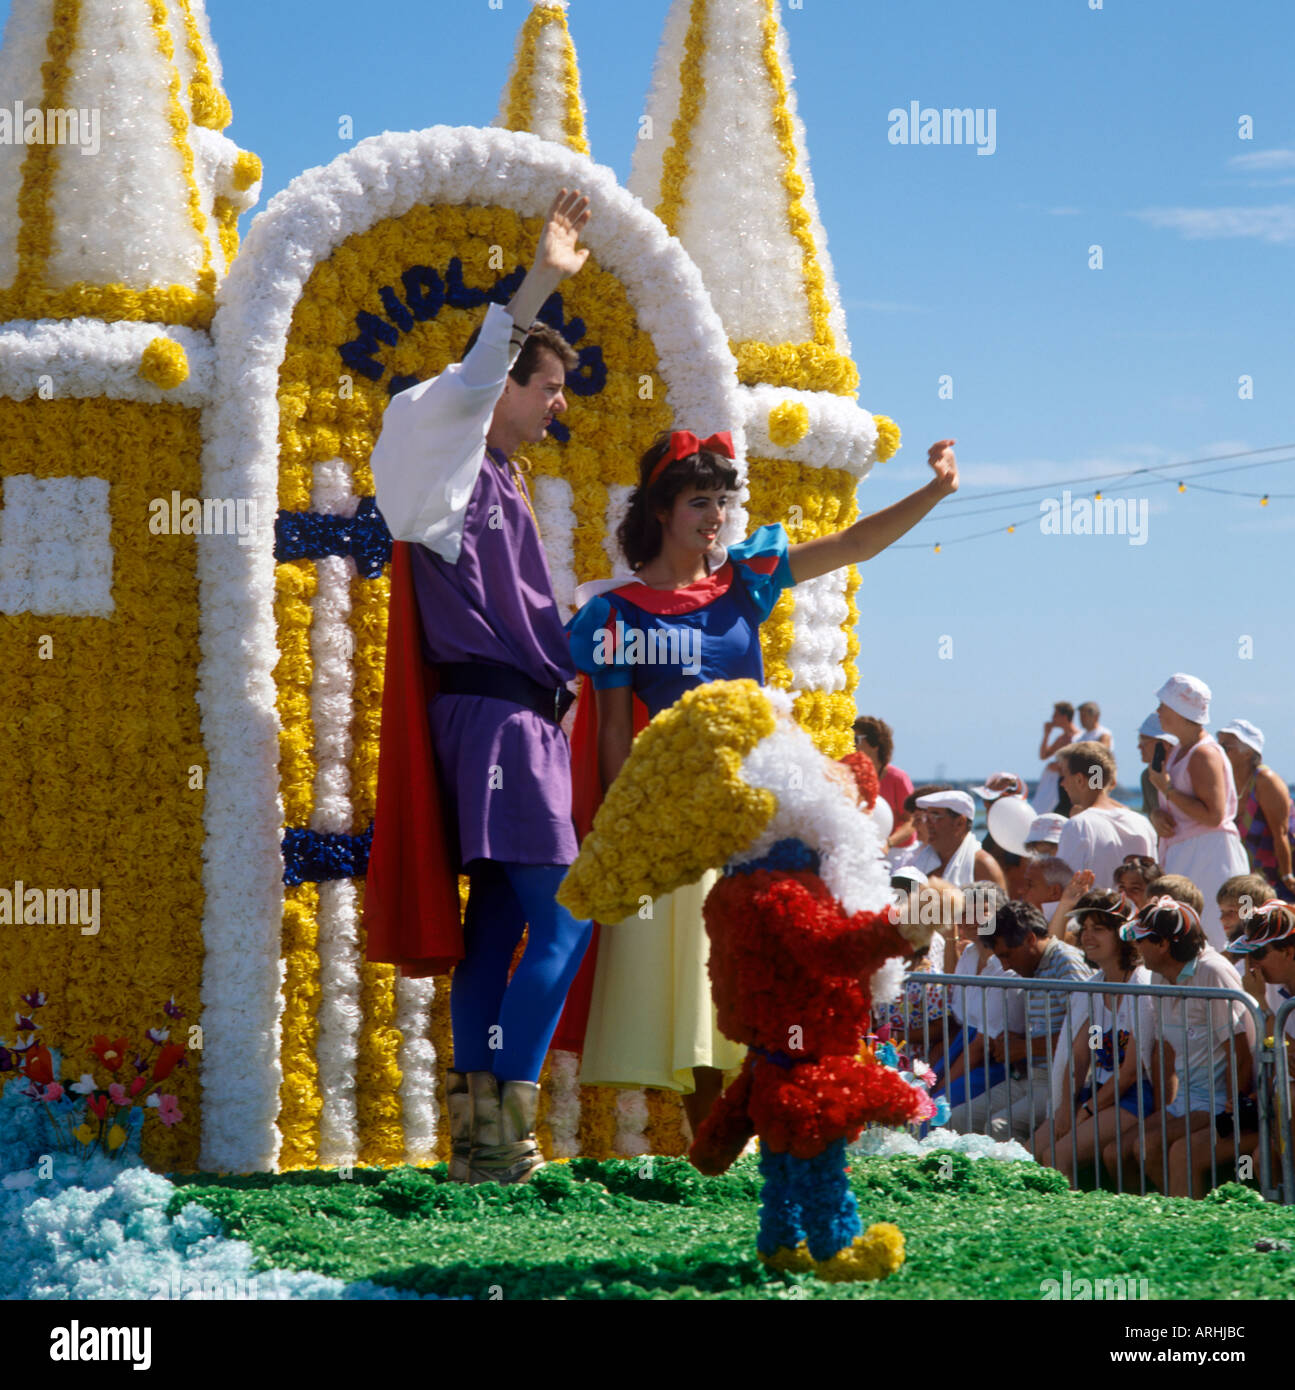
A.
pixel 684 442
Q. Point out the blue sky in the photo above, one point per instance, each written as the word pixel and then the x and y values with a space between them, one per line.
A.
pixel 1117 127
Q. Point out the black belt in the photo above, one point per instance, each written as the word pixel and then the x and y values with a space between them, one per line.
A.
pixel 504 683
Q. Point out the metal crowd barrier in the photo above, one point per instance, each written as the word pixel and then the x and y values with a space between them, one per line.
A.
pixel 1271 1074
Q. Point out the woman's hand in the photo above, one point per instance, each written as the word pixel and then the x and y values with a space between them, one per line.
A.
pixel 942 460
pixel 1159 779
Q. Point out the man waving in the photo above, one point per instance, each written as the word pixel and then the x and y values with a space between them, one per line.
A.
pixel 490 627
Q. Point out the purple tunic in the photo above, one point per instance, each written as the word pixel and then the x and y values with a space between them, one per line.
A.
pixel 505 771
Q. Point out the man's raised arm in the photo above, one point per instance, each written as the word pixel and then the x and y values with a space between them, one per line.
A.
pixel 429 454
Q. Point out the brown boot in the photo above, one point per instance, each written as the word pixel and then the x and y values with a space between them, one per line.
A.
pixel 504 1148
pixel 458 1104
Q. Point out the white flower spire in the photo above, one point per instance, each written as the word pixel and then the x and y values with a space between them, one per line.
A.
pixel 723 163
pixel 119 195
pixel 542 94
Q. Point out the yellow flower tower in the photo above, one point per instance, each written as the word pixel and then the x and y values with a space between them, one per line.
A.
pixel 722 161
pixel 118 209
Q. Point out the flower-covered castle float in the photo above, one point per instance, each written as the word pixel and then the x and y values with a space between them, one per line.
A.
pixel 193 575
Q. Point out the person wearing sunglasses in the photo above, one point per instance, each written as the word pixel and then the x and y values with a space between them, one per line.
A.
pixel 1133 876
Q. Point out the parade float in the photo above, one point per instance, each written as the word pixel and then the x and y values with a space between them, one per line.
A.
pixel 196 577
pixel 193 597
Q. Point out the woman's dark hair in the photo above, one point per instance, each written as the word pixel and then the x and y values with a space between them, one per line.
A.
pixel 1104 904
pixel 639 533
pixel 1146 869
pixel 878 733
pixel 1064 708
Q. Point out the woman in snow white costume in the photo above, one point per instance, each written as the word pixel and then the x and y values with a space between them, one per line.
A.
pixel 687 613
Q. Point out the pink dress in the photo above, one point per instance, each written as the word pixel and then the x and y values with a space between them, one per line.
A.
pixel 1206 855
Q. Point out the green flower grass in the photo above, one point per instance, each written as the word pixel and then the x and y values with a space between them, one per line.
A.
pixel 638 1229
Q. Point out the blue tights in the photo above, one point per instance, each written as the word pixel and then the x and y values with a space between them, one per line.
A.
pixel 501 1025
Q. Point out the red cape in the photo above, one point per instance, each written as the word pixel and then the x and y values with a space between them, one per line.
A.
pixel 411 894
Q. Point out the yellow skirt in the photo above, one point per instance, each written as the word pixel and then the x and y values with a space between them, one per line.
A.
pixel 651 1019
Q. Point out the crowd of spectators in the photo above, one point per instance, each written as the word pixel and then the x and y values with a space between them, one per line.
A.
pixel 1138 1090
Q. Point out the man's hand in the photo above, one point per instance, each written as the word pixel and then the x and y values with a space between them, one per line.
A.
pixel 558 253
pixel 941 458
pixel 1163 822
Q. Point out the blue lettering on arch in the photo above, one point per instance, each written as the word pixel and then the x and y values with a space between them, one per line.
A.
pixel 426 292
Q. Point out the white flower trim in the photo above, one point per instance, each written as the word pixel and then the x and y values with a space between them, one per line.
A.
pixel 66 359
pixel 618 503
pixel 564 1103
pixel 813 808
pixel 332 651
pixel 419 1112
pixel 21 57
pixel 380 178
pixel 819 641
pixel 841 433
pixel 632 1117
pixel 55 546
pixel 556 515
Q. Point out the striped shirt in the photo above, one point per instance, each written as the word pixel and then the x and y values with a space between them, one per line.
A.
pixel 1045 1010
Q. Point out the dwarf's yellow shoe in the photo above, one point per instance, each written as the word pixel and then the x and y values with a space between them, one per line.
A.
pixel 879 1251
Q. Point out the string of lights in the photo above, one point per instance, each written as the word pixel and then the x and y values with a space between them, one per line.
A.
pixel 1174 474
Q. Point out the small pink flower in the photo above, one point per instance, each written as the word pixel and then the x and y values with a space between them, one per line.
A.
pixel 925 1107
pixel 168 1111
pixel 53 1092
pixel 117 1094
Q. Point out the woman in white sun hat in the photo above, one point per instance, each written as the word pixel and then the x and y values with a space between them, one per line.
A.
pixel 1198 800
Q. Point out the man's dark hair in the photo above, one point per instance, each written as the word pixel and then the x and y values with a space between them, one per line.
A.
pixel 910 801
pixel 1014 921
pixel 1162 922
pixel 539 338
pixel 1064 708
pixel 1005 857
pixel 879 734
pixel 639 534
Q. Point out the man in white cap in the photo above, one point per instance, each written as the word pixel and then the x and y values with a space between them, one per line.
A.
pixel 1151 736
pixel 962 860
pixel 1263 806
pixel 1197 819
pixel 1101 832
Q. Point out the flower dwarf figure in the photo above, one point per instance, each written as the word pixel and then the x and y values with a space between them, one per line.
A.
pixel 799 925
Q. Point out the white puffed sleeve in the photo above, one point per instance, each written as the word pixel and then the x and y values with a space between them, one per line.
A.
pixel 429 454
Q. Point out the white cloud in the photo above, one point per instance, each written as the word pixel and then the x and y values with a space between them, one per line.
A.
pixel 1263 161
pixel 1274 224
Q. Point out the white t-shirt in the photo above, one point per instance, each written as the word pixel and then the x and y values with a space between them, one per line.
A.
pixel 1101 837
pixel 983 1009
pixel 1127 1017
pixel 1189 1026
